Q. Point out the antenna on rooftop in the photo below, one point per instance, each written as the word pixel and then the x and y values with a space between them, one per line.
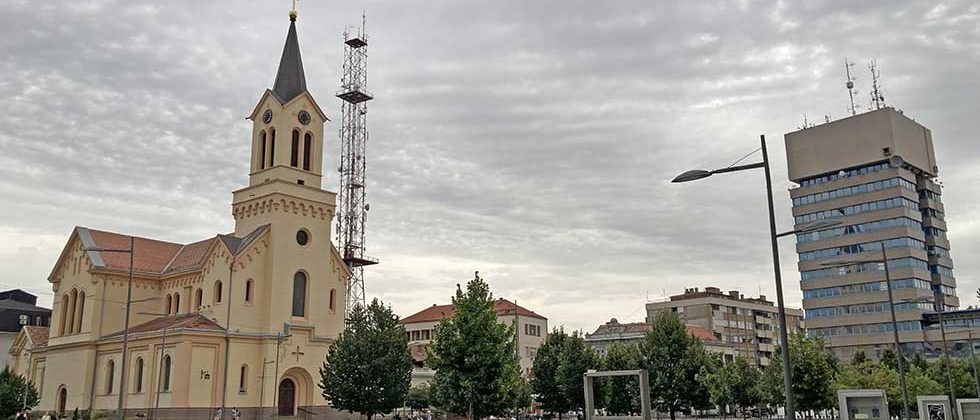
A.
pixel 877 98
pixel 850 85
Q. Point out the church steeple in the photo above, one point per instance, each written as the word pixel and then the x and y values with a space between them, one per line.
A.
pixel 287 125
pixel 290 79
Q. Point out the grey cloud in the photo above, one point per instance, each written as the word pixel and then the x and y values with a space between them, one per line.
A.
pixel 532 141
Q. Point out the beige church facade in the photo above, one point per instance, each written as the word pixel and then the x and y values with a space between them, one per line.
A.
pixel 240 320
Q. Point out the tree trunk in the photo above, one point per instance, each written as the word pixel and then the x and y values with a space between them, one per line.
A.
pixel 673 414
pixel 471 414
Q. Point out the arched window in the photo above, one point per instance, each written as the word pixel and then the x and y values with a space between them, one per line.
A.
pixel 243 380
pixel 272 147
pixel 79 311
pixel 262 150
pixel 169 300
pixel 198 299
pixel 110 374
pixel 248 291
pixel 176 308
pixel 139 375
pixel 62 399
pixel 65 303
pixel 299 294
pixel 73 298
pixel 294 153
pixel 307 150
pixel 217 291
pixel 165 374
pixel 333 299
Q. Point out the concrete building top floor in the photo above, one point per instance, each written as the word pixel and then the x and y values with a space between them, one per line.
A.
pixel 857 141
pixel 713 295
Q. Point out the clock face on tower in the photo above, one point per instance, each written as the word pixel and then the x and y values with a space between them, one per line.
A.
pixel 304 117
pixel 267 116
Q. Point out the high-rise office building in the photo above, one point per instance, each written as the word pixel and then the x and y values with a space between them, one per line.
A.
pixel 875 174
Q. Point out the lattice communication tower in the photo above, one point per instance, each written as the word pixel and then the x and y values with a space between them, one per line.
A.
pixel 353 208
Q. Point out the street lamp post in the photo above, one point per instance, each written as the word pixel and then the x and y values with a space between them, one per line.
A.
pixel 694 175
pixel 163 345
pixel 129 304
pixel 942 328
pixel 891 306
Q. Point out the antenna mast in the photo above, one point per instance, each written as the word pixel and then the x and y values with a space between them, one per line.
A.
pixel 877 99
pixel 850 85
pixel 352 209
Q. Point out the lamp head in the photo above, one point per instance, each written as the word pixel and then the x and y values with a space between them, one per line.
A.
pixel 692 175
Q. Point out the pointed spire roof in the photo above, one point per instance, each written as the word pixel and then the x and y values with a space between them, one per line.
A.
pixel 290 80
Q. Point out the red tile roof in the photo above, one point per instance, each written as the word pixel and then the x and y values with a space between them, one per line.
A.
pixel 701 332
pixel 434 313
pixel 153 256
pixel 38 335
pixel 190 256
pixel 150 255
pixel 185 321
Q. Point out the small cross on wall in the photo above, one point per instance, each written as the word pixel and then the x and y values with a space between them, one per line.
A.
pixel 297 353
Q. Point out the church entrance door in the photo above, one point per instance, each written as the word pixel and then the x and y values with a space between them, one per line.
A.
pixel 287 397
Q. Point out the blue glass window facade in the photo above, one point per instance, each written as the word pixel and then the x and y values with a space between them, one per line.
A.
pixel 853 190
pixel 858 228
pixel 857 209
pixel 824 273
pixel 870 287
pixel 848 173
pixel 859 248
pixel 861 329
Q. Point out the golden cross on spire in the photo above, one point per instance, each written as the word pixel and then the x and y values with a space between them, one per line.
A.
pixel 292 13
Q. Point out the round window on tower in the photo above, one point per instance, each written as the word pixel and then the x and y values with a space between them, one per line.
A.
pixel 302 237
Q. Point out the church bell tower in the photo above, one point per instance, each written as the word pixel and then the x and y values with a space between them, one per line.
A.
pixel 287 147
pixel 287 125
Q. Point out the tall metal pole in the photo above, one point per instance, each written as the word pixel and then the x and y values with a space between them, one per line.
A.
pixel 949 373
pixel 783 335
pixel 125 349
pixel 898 346
pixel 973 357
pixel 163 346
pixel 275 386
pixel 224 377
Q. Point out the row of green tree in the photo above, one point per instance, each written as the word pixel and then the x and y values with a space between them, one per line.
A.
pixel 684 377
pixel 477 370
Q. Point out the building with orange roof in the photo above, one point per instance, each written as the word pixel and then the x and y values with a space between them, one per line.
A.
pixel 226 321
pixel 530 330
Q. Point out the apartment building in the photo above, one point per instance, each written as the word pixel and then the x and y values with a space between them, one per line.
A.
pixel 749 325
pixel 875 173
pixel 632 334
pixel 531 329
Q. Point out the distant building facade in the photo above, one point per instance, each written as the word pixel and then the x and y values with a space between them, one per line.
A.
pixel 531 329
pixel 632 334
pixel 750 325
pixel 17 310
pixel 875 174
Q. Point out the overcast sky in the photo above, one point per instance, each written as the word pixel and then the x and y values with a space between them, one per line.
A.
pixel 532 141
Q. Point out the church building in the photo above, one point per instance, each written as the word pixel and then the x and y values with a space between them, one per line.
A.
pixel 239 320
